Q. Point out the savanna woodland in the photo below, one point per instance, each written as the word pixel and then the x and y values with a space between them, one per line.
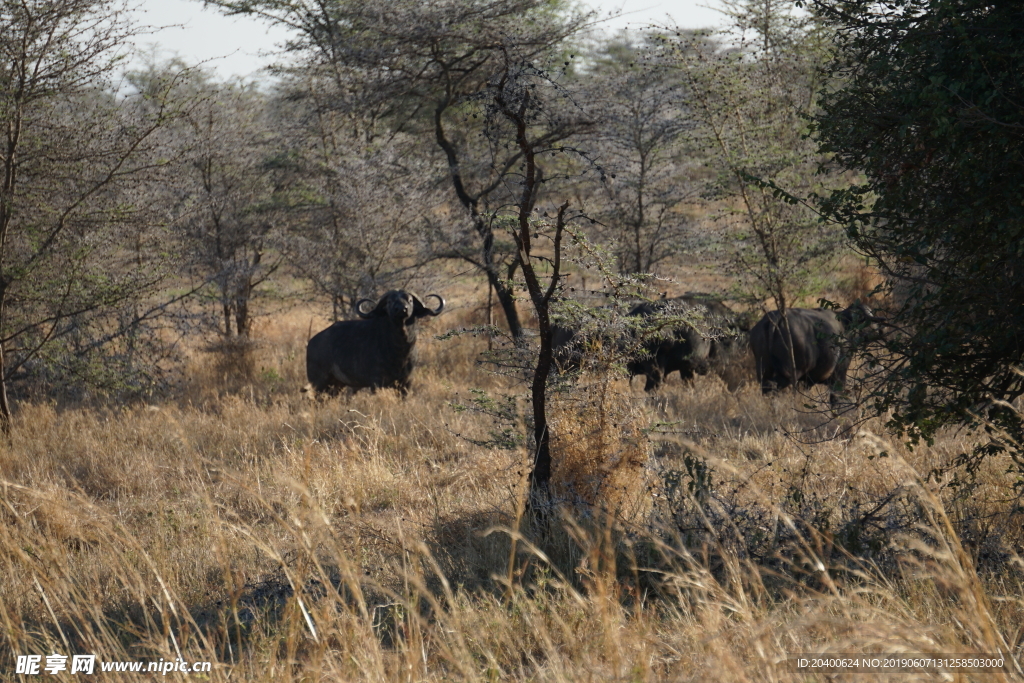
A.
pixel 812 192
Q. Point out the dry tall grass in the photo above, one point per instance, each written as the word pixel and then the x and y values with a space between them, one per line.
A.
pixel 709 534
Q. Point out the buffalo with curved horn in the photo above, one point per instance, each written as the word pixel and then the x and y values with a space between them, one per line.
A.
pixel 374 352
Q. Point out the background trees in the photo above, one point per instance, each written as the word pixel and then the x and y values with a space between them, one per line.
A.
pixel 79 255
pixel 225 215
pixel 641 105
pixel 419 67
pixel 750 88
pixel 930 110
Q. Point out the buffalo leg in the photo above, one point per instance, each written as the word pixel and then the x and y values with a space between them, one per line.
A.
pixel 654 379
pixel 766 378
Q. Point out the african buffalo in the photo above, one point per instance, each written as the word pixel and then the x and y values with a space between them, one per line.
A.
pixel 655 353
pixel 709 333
pixel 375 352
pixel 573 343
pixel 816 355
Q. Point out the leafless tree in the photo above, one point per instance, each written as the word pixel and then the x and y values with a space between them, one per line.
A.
pixel 649 173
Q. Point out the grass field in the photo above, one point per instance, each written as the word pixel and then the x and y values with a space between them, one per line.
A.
pixel 704 535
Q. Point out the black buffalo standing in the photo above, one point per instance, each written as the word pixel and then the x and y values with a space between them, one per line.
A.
pixel 691 349
pixel 817 354
pixel 375 352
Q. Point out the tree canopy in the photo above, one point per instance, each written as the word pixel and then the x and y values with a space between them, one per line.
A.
pixel 929 106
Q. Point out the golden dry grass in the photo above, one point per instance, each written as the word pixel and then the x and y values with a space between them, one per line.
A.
pixel 707 534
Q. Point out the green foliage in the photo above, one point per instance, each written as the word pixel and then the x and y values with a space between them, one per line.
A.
pixel 751 88
pixel 929 108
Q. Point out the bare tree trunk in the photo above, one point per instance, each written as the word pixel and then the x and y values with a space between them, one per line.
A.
pixel 541 473
pixel 506 298
pixel 242 321
pixel 227 318
pixel 517 113
pixel 10 179
pixel 490 315
pixel 6 419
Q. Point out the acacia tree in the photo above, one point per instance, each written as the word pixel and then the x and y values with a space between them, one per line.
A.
pixel 222 201
pixel 75 161
pixel 641 104
pixel 750 89
pixel 418 66
pixel 518 110
pixel 226 211
pixel 930 108
pixel 358 201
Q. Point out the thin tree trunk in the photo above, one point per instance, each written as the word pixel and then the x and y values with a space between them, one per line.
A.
pixel 6 418
pixel 10 178
pixel 490 314
pixel 227 319
pixel 540 475
pixel 506 298
pixel 242 315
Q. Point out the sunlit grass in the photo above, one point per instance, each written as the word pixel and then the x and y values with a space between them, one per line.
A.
pixel 365 538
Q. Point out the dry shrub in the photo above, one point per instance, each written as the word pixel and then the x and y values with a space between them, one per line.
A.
pixel 233 359
pixel 599 450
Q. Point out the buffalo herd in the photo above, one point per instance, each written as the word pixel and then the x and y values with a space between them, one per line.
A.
pixel 689 334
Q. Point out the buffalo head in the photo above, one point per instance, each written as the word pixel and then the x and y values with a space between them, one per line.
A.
pixel 400 306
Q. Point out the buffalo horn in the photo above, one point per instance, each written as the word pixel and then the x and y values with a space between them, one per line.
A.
pixel 440 305
pixel 359 308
